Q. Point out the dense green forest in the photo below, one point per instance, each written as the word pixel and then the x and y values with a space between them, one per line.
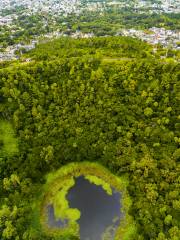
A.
pixel 111 47
pixel 105 100
pixel 113 19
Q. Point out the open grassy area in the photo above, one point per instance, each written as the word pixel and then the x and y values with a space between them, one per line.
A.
pixel 8 142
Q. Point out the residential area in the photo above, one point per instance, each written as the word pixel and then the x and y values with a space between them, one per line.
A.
pixel 15 51
pixel 166 38
pixel 25 23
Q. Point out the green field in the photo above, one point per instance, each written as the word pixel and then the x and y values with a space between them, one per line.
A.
pixel 8 142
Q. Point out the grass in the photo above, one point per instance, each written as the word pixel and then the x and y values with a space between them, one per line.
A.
pixel 9 144
pixel 116 59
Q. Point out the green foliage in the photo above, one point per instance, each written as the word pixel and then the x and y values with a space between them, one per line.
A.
pixel 148 111
pixel 100 182
pixel 61 206
pixel 114 19
pixel 8 142
pixel 168 219
pixel 73 104
pixel 107 47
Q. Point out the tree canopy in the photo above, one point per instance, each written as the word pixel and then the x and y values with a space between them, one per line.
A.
pixel 107 100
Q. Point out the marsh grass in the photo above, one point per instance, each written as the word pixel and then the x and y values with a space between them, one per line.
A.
pixel 99 182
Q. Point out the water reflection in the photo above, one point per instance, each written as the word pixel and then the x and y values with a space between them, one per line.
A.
pixel 52 221
pixel 100 212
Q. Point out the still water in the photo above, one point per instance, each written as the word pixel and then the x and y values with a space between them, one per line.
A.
pixel 52 222
pixel 99 211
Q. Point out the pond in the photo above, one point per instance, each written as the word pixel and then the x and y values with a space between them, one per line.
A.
pixel 85 200
pixel 52 221
pixel 100 211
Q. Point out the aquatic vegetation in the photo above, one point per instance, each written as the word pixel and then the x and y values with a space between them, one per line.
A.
pixel 99 181
pixel 60 182
pixel 61 206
